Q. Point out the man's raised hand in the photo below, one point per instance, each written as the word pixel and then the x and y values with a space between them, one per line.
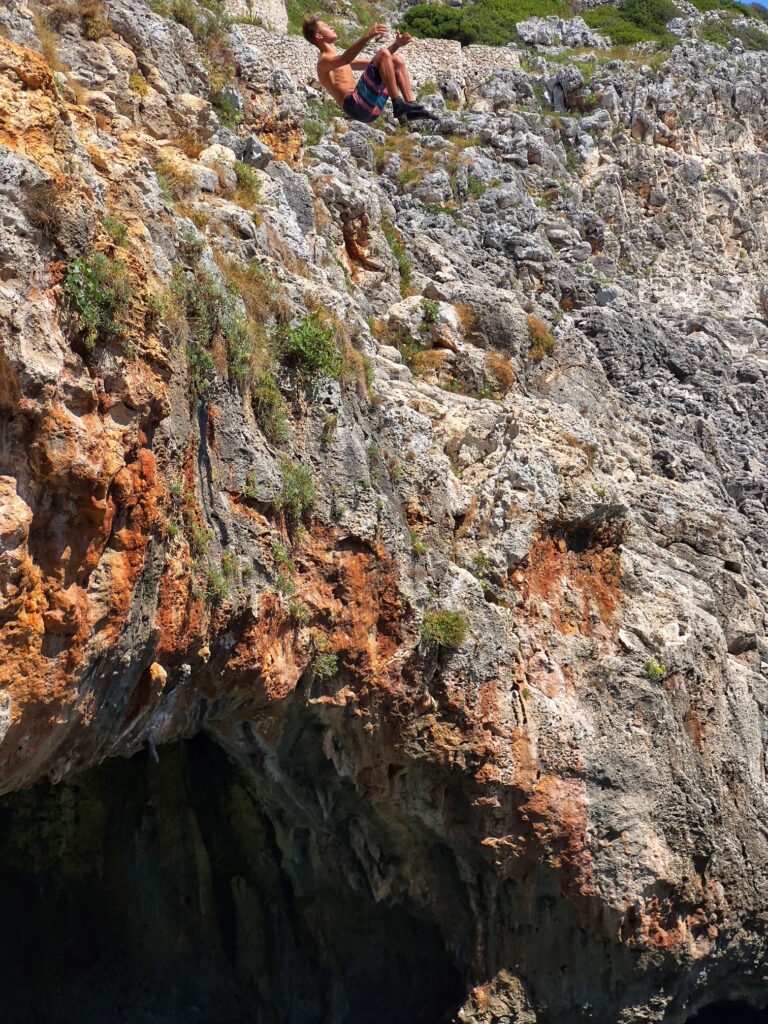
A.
pixel 402 39
pixel 376 31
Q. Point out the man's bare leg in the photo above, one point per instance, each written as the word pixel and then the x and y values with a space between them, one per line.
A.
pixel 385 62
pixel 401 73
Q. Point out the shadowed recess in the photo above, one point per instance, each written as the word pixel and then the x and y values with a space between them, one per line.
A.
pixel 729 1013
pixel 141 892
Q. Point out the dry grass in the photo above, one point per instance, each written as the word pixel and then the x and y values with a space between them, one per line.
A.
pixel 263 297
pixel 89 15
pixel 467 318
pixel 43 204
pixel 175 182
pixel 539 337
pixel 500 368
pixel 47 38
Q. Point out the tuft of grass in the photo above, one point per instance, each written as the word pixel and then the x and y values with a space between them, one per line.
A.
pixel 540 338
pixel 269 408
pixel 297 495
pixel 216 585
pixel 116 229
pixel 447 629
pixel 395 242
pixel 99 294
pixel 248 191
pixel 476 187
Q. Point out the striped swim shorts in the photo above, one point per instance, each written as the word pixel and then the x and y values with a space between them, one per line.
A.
pixel 369 98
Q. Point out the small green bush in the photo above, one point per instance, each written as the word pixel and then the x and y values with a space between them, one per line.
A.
pixel 429 311
pixel 297 494
pixel 299 612
pixel 444 629
pixel 312 349
pixel 213 310
pixel 205 20
pixel 325 665
pixel 202 370
pixel 227 110
pixel 654 669
pixel 99 292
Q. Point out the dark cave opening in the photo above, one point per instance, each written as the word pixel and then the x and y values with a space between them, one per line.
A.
pixel 151 893
pixel 729 1013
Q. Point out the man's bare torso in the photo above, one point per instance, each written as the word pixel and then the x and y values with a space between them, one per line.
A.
pixel 339 82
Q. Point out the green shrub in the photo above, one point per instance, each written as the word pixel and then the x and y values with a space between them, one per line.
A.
pixel 444 629
pixel 205 20
pixel 227 110
pixel 214 311
pixel 325 665
pixel 429 311
pixel 484 21
pixel 723 32
pixel 99 293
pixel 654 669
pixel 635 21
pixel 299 612
pixel 297 494
pixel 321 116
pixel 202 370
pixel 116 229
pixel 312 349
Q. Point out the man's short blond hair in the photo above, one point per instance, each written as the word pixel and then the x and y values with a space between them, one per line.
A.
pixel 309 27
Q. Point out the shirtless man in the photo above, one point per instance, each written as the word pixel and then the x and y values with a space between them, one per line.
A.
pixel 384 75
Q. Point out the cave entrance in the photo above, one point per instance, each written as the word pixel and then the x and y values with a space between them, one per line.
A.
pixel 729 1013
pixel 144 893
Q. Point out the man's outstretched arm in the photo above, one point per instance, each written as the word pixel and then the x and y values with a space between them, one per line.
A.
pixel 352 51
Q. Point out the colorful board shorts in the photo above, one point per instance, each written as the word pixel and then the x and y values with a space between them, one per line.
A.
pixel 369 98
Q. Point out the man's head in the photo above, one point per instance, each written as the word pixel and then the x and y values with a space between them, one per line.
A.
pixel 316 31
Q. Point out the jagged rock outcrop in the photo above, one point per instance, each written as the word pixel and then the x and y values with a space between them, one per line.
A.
pixel 425 474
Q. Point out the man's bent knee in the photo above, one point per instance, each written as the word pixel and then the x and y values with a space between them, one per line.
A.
pixel 381 57
pixel 398 60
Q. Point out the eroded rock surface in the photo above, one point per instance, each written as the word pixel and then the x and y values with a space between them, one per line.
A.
pixel 513 369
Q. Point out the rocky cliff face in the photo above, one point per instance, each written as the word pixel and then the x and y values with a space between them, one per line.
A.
pixel 422 474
